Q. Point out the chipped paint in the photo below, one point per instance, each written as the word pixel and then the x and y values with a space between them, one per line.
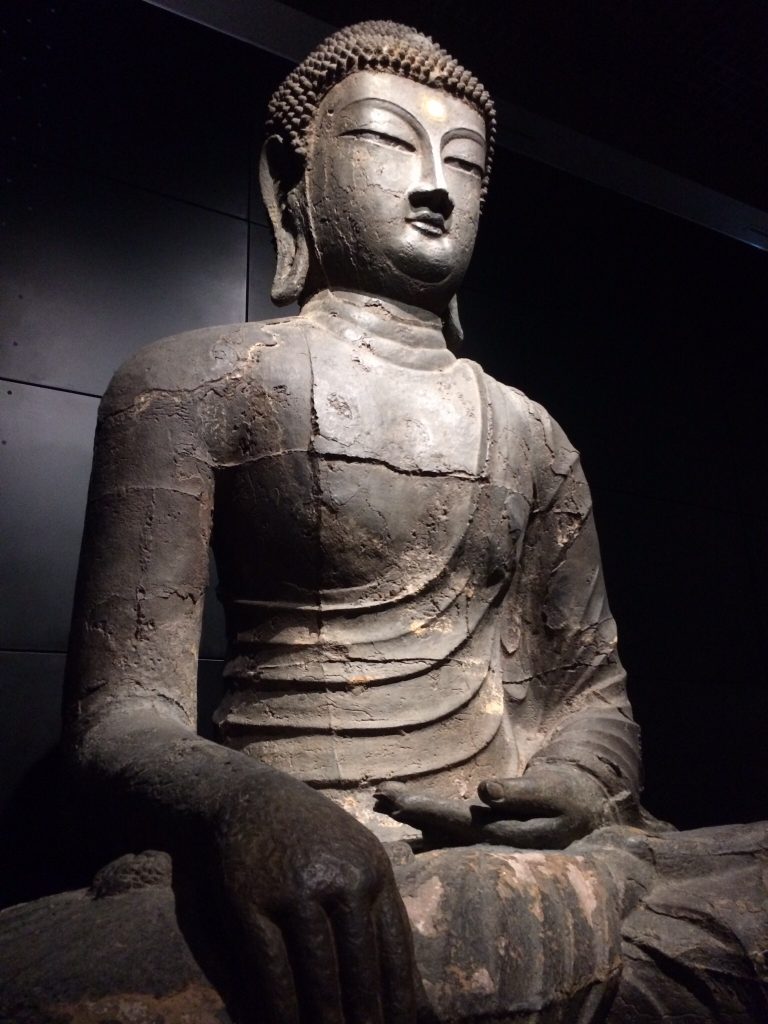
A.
pixel 583 883
pixel 494 705
pixel 193 1005
pixel 481 982
pixel 424 905
pixel 477 982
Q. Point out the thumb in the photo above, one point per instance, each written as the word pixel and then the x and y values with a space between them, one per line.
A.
pixel 524 797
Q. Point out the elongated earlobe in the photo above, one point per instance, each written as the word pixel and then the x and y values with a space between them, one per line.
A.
pixel 282 189
pixel 452 329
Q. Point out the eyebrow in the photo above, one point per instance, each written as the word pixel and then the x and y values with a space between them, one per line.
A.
pixel 464 133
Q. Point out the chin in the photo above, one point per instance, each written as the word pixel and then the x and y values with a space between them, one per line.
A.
pixel 428 276
pixel 431 264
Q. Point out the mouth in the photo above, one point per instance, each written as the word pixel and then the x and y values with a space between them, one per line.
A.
pixel 428 222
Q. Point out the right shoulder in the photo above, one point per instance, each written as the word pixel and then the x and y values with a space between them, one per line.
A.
pixel 182 365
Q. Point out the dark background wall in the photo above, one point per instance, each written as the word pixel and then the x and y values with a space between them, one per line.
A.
pixel 129 212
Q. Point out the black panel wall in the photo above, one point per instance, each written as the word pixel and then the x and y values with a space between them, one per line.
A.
pixel 128 215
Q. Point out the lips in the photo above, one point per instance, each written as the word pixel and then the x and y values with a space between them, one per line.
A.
pixel 429 222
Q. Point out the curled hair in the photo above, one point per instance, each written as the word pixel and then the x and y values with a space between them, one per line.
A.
pixel 372 46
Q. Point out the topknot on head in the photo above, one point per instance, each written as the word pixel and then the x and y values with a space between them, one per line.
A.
pixel 372 46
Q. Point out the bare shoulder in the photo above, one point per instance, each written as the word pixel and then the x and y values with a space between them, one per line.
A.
pixel 192 363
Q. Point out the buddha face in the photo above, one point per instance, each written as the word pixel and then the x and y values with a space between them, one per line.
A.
pixel 393 181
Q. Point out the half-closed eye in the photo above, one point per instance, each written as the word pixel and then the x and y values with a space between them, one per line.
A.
pixel 380 139
pixel 464 165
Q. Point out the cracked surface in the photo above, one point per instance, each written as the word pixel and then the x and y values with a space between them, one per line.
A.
pixel 624 928
pixel 432 611
pixel 419 646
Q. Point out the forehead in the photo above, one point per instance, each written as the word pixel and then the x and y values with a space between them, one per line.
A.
pixel 434 108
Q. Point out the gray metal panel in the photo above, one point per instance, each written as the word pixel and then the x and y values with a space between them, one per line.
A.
pixel 94 78
pixel 45 463
pixel 92 270
pixel 30 713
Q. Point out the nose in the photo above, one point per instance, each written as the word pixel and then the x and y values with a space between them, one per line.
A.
pixel 435 199
pixel 431 191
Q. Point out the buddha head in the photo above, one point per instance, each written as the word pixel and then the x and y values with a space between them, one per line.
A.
pixel 375 168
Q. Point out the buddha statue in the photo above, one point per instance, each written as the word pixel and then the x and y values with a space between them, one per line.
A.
pixel 425 799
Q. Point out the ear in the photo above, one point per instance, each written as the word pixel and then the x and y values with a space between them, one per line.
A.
pixel 453 332
pixel 282 190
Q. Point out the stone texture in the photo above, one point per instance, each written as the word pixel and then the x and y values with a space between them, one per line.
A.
pixel 420 647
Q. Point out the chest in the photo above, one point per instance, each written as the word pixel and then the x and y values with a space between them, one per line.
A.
pixel 359 480
pixel 414 421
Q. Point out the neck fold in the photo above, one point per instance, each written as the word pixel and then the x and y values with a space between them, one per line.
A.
pixel 392 330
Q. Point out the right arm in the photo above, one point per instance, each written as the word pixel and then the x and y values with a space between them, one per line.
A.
pixel 305 896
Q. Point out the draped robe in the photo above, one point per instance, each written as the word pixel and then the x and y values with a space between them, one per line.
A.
pixel 409 568
pixel 412 579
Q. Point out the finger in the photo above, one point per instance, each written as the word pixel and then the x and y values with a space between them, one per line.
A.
pixel 401 987
pixel 534 834
pixel 358 959
pixel 311 948
pixel 524 797
pixel 268 989
pixel 388 795
pixel 452 817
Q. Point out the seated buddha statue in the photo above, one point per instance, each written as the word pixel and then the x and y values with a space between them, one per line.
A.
pixel 424 798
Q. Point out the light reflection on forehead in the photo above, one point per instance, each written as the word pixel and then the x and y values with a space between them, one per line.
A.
pixel 434 108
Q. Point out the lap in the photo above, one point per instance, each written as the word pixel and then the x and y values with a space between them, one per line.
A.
pixel 623 927
pixel 508 935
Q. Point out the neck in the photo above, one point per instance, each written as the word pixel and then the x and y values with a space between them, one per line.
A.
pixel 391 329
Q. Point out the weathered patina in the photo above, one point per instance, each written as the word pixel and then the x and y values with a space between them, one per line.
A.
pixel 425 801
